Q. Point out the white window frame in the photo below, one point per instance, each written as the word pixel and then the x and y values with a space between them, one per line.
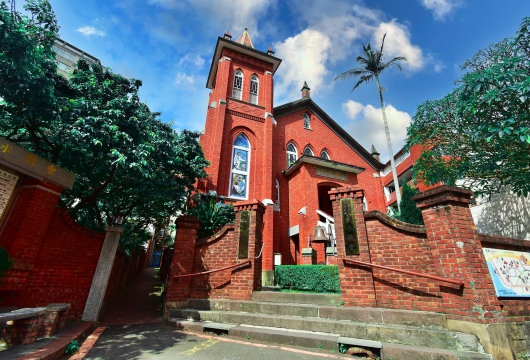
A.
pixel 294 153
pixel 311 153
pixel 277 191
pixel 235 171
pixel 237 92
pixel 254 80
pixel 307 121
pixel 325 153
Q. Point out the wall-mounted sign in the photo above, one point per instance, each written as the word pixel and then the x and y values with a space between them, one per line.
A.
pixel 510 272
pixel 330 173
pixel 244 233
pixel 351 242
pixel 7 185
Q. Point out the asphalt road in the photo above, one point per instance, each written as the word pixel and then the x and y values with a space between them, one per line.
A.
pixel 159 341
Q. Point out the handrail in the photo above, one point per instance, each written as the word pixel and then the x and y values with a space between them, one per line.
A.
pixel 356 262
pixel 325 215
pixel 212 271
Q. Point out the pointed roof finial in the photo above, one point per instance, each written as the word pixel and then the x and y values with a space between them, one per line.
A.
pixel 306 94
pixel 374 153
pixel 270 51
pixel 227 35
pixel 244 39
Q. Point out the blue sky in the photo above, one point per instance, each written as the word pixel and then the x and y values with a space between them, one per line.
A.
pixel 169 44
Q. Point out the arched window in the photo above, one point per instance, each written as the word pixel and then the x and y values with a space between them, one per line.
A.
pixel 307 122
pixel 308 151
pixel 240 167
pixel 254 85
pixel 238 84
pixel 291 155
pixel 324 155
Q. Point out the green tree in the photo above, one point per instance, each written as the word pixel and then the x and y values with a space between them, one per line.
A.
pixel 480 133
pixel 372 66
pixel 409 212
pixel 94 124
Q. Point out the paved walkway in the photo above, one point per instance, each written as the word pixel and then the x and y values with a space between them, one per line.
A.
pixel 140 303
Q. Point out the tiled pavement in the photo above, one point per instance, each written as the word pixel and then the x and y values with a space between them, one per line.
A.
pixel 140 303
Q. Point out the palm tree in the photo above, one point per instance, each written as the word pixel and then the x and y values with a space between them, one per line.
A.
pixel 372 67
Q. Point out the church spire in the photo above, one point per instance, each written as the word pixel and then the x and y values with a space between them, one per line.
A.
pixel 244 39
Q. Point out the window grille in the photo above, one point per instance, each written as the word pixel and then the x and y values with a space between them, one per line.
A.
pixel 238 85
pixel 254 90
pixel 324 155
pixel 307 122
pixel 291 155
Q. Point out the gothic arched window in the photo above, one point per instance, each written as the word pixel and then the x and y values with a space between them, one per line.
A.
pixel 239 172
pixel 238 84
pixel 292 156
pixel 324 155
pixel 308 151
pixel 307 122
pixel 254 85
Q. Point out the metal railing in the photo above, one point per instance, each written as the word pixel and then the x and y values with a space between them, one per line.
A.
pixel 212 271
pixel 362 263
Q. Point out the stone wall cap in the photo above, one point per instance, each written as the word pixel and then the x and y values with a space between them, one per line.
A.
pixel 308 252
pixel 58 307
pixel 394 223
pixel 443 194
pixel 22 314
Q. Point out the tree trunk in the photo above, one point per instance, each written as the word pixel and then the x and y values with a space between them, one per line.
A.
pixel 389 143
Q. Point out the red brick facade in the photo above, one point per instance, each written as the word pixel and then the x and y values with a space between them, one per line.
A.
pixel 269 130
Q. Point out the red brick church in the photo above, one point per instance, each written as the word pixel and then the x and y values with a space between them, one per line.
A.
pixel 288 156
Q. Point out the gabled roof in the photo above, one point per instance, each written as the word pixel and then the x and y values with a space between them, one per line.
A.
pixel 307 103
pixel 335 165
pixel 244 39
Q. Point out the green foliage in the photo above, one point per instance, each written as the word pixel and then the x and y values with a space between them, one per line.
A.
pixel 313 278
pixel 343 348
pixel 213 215
pixel 481 131
pixel 409 211
pixel 94 125
pixel 72 347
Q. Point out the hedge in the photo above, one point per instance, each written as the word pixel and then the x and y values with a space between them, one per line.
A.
pixel 312 278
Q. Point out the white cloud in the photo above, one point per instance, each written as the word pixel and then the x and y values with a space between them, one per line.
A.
pixel 182 78
pixel 304 59
pixel 91 31
pixel 367 126
pixel 191 59
pixel 440 8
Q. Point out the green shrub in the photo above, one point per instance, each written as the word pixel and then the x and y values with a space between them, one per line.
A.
pixel 313 278
pixel 5 261
pixel 213 215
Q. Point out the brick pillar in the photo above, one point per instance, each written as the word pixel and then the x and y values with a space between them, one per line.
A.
pixel 248 278
pixel 25 229
pixel 457 253
pixel 356 282
pixel 309 256
pixel 178 290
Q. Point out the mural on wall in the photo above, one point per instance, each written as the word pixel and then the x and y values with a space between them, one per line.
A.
pixel 510 272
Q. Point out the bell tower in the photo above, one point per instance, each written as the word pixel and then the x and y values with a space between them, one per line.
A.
pixel 237 139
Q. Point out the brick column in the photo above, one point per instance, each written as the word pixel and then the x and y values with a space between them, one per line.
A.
pixel 248 278
pixel 25 229
pixel 457 254
pixel 356 282
pixel 178 290
pixel 309 256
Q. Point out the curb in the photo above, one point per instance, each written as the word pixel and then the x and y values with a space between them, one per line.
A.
pixel 55 349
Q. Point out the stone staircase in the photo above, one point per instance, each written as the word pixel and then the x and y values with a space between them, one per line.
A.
pixel 318 321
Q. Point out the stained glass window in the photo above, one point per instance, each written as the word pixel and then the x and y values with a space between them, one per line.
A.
pixel 291 155
pixel 238 84
pixel 240 167
pixel 254 89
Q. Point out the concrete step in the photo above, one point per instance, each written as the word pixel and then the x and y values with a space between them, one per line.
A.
pixel 357 314
pixel 389 333
pixel 297 298
pixel 328 341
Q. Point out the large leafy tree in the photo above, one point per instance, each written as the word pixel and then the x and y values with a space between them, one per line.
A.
pixel 372 65
pixel 94 124
pixel 480 133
